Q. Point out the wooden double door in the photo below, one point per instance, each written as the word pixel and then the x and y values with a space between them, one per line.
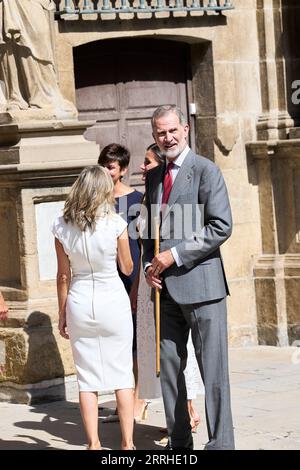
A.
pixel 120 82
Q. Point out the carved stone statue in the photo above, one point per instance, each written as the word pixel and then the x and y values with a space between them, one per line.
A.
pixel 27 61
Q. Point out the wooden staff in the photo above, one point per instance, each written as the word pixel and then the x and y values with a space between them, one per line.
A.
pixel 157 303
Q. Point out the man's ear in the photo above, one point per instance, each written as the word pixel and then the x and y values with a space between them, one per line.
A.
pixel 186 129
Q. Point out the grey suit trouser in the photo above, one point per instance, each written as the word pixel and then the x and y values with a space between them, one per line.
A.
pixel 208 324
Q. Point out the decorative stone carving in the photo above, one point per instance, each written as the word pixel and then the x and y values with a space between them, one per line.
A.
pixel 228 132
pixel 27 62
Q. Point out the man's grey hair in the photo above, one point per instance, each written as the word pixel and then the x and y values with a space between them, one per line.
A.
pixel 166 109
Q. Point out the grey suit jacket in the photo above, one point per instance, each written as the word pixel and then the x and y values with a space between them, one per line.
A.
pixel 198 182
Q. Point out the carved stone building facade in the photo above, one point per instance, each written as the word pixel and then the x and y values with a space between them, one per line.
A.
pixel 233 73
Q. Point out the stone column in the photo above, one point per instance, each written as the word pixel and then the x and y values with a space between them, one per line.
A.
pixel 277 270
pixel 275 120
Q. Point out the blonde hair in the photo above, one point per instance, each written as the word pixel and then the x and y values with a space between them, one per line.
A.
pixel 91 195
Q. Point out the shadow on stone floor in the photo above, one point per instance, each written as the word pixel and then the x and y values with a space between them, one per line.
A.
pixel 146 436
pixel 61 421
pixel 36 444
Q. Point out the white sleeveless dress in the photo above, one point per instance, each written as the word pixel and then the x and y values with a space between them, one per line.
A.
pixel 98 310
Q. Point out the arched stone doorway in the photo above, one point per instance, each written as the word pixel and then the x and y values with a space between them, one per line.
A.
pixel 119 82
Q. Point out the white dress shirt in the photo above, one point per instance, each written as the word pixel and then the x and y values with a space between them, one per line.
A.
pixel 178 161
pixel 177 164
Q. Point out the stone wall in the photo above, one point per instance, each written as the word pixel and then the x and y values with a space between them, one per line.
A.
pixel 226 88
pixel 240 61
pixel 37 170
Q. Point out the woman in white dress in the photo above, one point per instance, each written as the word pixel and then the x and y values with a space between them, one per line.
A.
pixel 94 308
pixel 149 383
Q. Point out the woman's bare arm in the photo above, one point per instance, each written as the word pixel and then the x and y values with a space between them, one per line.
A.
pixel 124 257
pixel 63 280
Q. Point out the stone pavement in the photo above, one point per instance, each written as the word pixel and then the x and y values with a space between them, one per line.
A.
pixel 265 385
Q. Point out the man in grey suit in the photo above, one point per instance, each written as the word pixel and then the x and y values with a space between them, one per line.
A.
pixel 189 271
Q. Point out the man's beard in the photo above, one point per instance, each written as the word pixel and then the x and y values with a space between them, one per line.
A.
pixel 174 153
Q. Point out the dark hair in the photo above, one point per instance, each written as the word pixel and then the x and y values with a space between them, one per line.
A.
pixel 157 153
pixel 114 153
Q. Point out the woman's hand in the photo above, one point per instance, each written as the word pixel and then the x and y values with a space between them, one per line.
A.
pixel 133 296
pixel 62 326
pixel 133 299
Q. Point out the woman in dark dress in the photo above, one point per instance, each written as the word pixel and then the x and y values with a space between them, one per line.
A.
pixel 115 158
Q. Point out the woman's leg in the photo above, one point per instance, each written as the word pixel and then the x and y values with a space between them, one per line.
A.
pixel 89 413
pixel 125 405
pixel 140 405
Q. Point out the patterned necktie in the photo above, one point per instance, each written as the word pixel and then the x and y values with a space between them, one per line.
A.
pixel 168 182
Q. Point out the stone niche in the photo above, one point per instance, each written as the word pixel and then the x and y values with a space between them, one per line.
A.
pixel 38 163
pixel 277 269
